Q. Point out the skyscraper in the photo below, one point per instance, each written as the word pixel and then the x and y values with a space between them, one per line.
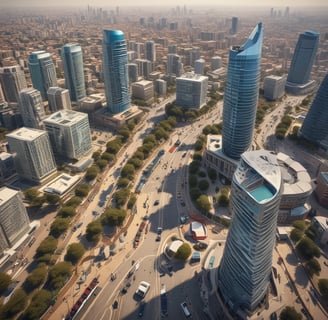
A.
pixel 298 80
pixel 150 53
pixel 58 99
pixel 34 158
pixel 13 81
pixel 115 67
pixel 43 72
pixel 174 65
pixel 245 268
pixel 234 25
pixel 241 94
pixel 14 220
pixel 69 133
pixel 71 54
pixel 199 66
pixel 31 108
pixel 314 127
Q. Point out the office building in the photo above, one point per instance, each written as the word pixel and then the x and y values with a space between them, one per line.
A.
pixel 69 133
pixel 199 66
pixel 72 59
pixel 234 25
pixel 58 99
pixel 191 90
pixel 150 52
pixel 160 87
pixel 14 220
pixel 314 127
pixel 7 167
pixel 115 69
pixel 133 72
pixel 174 65
pixel 246 264
pixel 298 80
pixel 274 87
pixel 143 90
pixel 34 158
pixel 241 95
pixel 172 48
pixel 31 108
pixel 216 63
pixel 12 80
pixel 145 68
pixel 43 72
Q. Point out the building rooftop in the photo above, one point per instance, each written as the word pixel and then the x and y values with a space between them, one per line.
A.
pixel 191 76
pixel 66 117
pixel 26 134
pixel 61 184
pixel 6 194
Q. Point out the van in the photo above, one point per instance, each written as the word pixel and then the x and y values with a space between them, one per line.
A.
pixel 185 309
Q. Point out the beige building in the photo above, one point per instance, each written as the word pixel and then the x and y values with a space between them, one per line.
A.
pixel 143 90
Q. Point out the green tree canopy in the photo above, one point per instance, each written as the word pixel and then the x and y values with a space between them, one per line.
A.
pixel 183 252
pixel 52 198
pixel 59 226
pixel 299 224
pixel 123 182
pixel 203 185
pixel 74 253
pixel 73 202
pixel 114 217
pixel 96 155
pixel 203 203
pixel 121 197
pixel 296 234
pixel 107 156
pixel 16 304
pixel 128 171
pixel 313 266
pixel 59 274
pixel 67 211
pixel 93 231
pixel 5 281
pixel 323 287
pixel 212 174
pixel 289 313
pixel 31 194
pixel 48 245
pixel 40 302
pixel 307 248
pixel 92 173
pixel 36 278
pixel 113 146
pixel 101 163
pixel 82 190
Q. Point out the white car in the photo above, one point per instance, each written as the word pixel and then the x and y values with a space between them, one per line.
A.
pixel 143 289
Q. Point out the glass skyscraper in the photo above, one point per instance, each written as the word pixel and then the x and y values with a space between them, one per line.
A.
pixel 115 67
pixel 43 72
pixel 245 268
pixel 315 127
pixel 241 94
pixel 303 58
pixel 71 54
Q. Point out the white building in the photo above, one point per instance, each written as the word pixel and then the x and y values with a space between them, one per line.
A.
pixel 14 220
pixel 143 90
pixel 34 158
pixel 69 133
pixel 274 87
pixel 58 99
pixel 199 66
pixel 191 90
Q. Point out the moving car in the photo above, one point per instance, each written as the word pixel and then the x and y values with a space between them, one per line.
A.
pixel 143 289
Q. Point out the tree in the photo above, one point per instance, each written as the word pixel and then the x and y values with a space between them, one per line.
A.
pixel 47 246
pixel 299 224
pixel 212 174
pixel 132 201
pixel 289 313
pixel 114 217
pixel 121 197
pixel 74 253
pixel 82 190
pixel 203 203
pixel 31 194
pixel 113 146
pixel 101 163
pixel 203 185
pixel 38 202
pixel 313 266
pixel 194 194
pixel 73 202
pixel 52 198
pixel 193 181
pixel 128 171
pixel 307 248
pixel 296 234
pixel 36 278
pixel 59 274
pixel 93 231
pixel 125 133
pixel 67 211
pixel 194 166
pixel 96 155
pixel 107 156
pixel 5 281
pixel 92 173
pixel 137 163
pixel 16 304
pixel 183 252
pixel 323 287
pixel 39 303
pixel 59 226
pixel 223 200
pixel 123 182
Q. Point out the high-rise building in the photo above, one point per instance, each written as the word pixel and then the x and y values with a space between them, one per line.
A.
pixel 191 90
pixel 58 99
pixel 31 108
pixel 34 158
pixel 72 59
pixel 14 220
pixel 241 94
pixel 172 48
pixel 274 87
pixel 160 86
pixel 43 72
pixel 314 126
pixel 298 80
pixel 199 66
pixel 69 133
pixel 12 80
pixel 174 65
pixel 133 72
pixel 150 53
pixel 234 25
pixel 145 67
pixel 115 67
pixel 7 167
pixel 216 63
pixel 246 264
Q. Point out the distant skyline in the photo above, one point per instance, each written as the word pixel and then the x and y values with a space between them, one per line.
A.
pixel 173 3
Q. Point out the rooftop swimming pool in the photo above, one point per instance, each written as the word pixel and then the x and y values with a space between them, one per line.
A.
pixel 262 193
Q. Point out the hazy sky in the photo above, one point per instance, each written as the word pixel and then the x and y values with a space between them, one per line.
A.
pixel 173 3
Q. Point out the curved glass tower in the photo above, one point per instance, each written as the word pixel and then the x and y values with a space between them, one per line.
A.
pixel 43 72
pixel 241 94
pixel 71 54
pixel 315 127
pixel 303 58
pixel 246 263
pixel 115 67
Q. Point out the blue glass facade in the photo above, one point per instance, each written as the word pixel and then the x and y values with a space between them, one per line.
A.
pixel 315 128
pixel 241 94
pixel 245 268
pixel 43 72
pixel 303 58
pixel 115 67
pixel 71 54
